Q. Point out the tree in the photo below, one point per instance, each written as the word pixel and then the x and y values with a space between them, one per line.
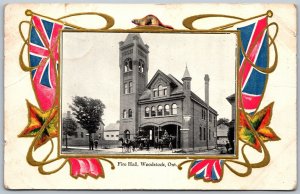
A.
pixel 69 128
pixel 224 121
pixel 88 112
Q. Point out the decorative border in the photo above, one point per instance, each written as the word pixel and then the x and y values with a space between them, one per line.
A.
pixel 253 129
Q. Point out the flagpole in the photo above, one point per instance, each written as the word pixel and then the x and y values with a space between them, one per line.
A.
pixel 269 13
pixel 109 20
pixel 188 22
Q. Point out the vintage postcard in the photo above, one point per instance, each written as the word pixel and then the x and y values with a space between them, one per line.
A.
pixel 158 97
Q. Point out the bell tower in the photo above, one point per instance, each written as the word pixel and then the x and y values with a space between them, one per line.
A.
pixel 133 64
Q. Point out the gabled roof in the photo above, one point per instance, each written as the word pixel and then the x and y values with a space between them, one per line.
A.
pixel 164 76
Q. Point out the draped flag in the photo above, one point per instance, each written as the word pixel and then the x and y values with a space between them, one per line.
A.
pixel 254 39
pixel 208 169
pixel 44 55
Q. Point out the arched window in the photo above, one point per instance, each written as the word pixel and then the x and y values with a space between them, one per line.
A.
pixel 130 87
pixel 153 111
pixel 124 114
pixel 147 112
pixel 141 65
pixel 174 109
pixel 159 110
pixel 127 134
pixel 160 90
pixel 167 109
pixel 129 113
pixel 127 65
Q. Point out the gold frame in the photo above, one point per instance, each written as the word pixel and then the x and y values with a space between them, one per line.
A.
pixel 153 29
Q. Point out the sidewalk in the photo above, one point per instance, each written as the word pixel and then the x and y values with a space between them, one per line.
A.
pixel 151 151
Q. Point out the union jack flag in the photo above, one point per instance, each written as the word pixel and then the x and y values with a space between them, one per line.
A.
pixel 44 55
pixel 209 169
pixel 255 42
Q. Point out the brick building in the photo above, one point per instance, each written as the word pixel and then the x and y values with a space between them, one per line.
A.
pixel 163 105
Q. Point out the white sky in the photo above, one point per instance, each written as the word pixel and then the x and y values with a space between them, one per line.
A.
pixel 90 66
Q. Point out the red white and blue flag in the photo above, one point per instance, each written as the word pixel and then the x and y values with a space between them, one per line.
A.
pixel 209 169
pixel 44 55
pixel 254 39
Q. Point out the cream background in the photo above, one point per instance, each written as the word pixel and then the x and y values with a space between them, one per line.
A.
pixel 279 174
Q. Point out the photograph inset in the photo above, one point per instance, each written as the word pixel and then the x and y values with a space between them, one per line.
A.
pixel 148 94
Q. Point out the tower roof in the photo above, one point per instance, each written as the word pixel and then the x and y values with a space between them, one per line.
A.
pixel 132 36
pixel 186 74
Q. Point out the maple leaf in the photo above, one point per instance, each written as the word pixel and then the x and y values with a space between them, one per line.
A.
pixel 260 123
pixel 36 120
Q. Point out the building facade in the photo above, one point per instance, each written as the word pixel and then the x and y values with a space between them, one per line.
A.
pixel 111 131
pixel 164 105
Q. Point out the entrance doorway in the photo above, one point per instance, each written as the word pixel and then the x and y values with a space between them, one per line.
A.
pixel 169 132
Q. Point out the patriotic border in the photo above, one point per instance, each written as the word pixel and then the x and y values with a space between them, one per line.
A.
pixel 207 169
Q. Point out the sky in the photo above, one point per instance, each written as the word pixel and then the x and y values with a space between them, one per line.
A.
pixel 90 66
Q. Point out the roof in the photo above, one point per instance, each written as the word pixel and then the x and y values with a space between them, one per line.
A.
pixel 186 74
pixel 131 36
pixel 231 98
pixel 177 88
pixel 112 127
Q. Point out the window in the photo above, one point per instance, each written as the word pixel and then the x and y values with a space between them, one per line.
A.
pixel 127 65
pixel 167 109
pixel 141 66
pixel 129 113
pixel 160 90
pixel 107 135
pixel 210 117
pixel 81 134
pixel 147 112
pixel 155 93
pixel 203 114
pixel 112 135
pixel 76 134
pixel 159 110
pixel 130 87
pixel 165 91
pixel 215 121
pixel 153 111
pixel 117 135
pixel 205 136
pixel 200 133
pixel 174 109
pixel 209 135
pixel 124 114
pixel 125 88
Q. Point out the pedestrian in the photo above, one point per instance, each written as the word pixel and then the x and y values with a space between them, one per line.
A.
pixel 170 144
pixel 227 146
pixel 96 144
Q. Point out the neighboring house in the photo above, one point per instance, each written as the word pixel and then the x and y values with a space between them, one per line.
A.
pixel 111 131
pixel 81 136
pixel 164 105
pixel 222 134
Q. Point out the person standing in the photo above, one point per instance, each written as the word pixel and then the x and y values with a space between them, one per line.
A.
pixel 96 144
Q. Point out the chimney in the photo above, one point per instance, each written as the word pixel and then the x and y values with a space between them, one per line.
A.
pixel 68 114
pixel 206 79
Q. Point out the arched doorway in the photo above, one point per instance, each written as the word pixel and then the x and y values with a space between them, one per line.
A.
pixel 172 131
pixel 155 132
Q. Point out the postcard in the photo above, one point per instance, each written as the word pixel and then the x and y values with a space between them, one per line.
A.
pixel 156 97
